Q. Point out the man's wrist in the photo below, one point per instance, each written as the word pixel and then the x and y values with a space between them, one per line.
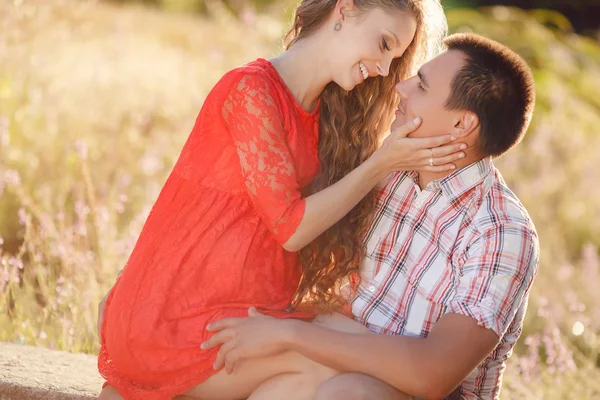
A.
pixel 292 334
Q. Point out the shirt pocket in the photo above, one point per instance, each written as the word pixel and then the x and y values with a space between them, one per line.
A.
pixel 431 276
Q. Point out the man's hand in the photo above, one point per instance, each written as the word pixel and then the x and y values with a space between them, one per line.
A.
pixel 242 338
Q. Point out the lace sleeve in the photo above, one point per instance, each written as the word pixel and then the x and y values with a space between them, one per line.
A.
pixel 254 121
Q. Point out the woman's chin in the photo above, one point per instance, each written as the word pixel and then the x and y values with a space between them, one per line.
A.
pixel 347 85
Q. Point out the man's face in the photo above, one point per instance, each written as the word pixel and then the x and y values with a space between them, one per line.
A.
pixel 425 94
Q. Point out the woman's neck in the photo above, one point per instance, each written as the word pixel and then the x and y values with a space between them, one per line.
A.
pixel 305 70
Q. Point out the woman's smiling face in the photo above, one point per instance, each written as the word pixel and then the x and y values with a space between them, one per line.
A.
pixel 368 42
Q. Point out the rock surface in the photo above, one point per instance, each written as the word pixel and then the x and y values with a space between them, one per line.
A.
pixel 35 373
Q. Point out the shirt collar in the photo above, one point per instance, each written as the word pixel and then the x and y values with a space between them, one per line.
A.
pixel 461 181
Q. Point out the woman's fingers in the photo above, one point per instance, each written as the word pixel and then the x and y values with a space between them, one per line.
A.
pixel 431 157
pixel 406 128
pixel 448 159
pixel 440 158
pixel 222 324
pixel 438 168
pixel 449 149
pixel 441 164
pixel 253 312
pixel 431 142
pixel 231 359
pixel 217 339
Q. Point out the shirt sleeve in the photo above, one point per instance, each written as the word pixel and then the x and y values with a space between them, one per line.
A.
pixel 255 123
pixel 495 279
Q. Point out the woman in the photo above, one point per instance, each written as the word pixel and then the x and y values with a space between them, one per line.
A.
pixel 225 231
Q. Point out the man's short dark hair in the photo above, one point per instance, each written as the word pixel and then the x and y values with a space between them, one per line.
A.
pixel 497 85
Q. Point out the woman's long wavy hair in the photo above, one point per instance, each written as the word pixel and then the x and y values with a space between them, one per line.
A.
pixel 351 127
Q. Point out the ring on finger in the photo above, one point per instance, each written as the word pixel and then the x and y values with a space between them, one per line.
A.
pixel 431 164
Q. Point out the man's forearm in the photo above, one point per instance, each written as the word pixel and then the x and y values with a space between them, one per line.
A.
pixel 430 368
pixel 408 364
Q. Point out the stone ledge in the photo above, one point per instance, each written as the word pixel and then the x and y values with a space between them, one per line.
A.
pixel 35 373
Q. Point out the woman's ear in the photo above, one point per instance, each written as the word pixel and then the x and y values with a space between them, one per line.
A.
pixel 467 123
pixel 343 9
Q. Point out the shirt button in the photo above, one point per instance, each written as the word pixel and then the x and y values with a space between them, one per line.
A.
pixel 371 288
pixel 488 302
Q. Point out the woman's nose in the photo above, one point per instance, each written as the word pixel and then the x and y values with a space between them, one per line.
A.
pixel 383 68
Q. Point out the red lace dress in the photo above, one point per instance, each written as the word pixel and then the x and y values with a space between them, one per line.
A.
pixel 212 244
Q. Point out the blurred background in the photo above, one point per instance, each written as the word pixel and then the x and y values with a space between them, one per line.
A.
pixel 97 99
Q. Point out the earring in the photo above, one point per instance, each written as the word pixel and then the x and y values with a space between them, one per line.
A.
pixel 337 27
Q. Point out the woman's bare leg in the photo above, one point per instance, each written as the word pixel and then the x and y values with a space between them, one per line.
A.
pixel 304 385
pixel 239 385
pixel 110 393
pixel 247 376
pixel 272 377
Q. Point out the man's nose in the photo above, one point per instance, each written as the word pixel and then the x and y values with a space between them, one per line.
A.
pixel 401 89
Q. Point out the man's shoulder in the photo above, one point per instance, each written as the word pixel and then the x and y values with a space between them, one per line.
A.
pixel 500 207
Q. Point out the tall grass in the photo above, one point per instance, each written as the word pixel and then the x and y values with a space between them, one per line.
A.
pixel 96 102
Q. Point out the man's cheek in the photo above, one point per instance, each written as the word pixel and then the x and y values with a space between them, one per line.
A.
pixel 424 130
pixel 431 126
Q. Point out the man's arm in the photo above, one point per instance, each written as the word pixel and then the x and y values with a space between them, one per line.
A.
pixel 429 368
pixel 494 281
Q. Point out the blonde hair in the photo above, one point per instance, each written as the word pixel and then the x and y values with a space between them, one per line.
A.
pixel 351 126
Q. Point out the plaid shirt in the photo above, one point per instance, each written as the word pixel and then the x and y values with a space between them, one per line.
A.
pixel 464 245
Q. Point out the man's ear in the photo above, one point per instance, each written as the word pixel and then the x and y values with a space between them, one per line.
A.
pixel 467 123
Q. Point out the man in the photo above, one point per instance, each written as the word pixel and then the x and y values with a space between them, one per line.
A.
pixel 450 257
